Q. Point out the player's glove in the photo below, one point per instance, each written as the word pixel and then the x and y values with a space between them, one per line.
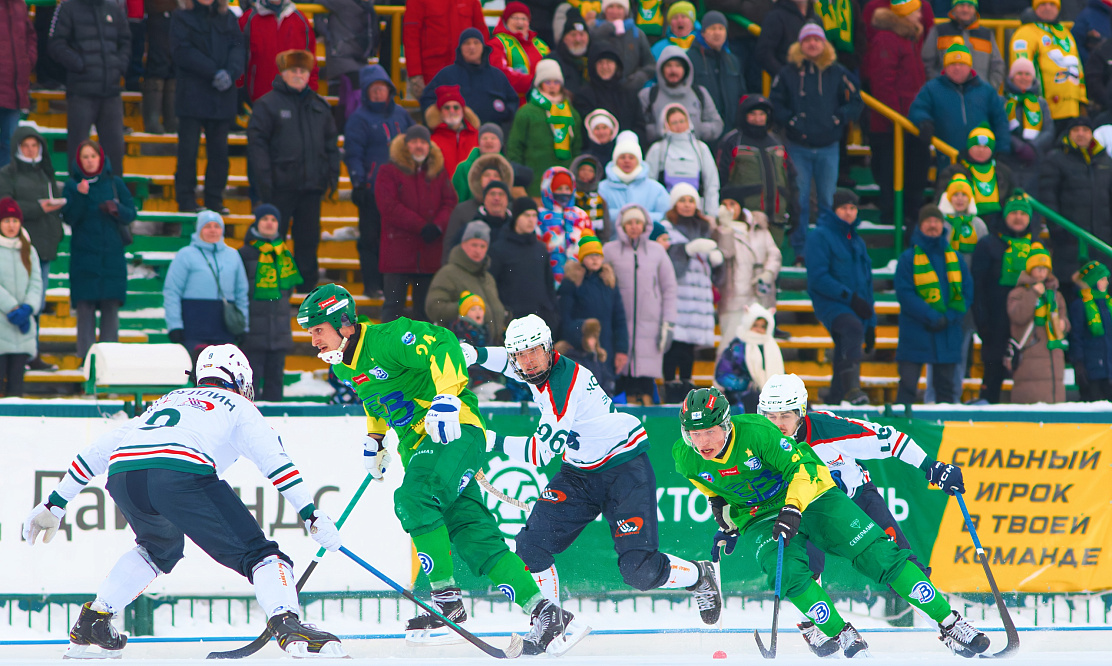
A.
pixel 469 353
pixel 442 419
pixel 43 518
pixel 721 511
pixel 376 457
pixel 946 477
pixel 323 530
pixel 723 539
pixel 787 523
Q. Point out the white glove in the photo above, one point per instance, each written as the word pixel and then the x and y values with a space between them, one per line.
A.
pixel 715 258
pixel 469 353
pixel 323 531
pixel 699 246
pixel 42 520
pixel 376 457
pixel 442 419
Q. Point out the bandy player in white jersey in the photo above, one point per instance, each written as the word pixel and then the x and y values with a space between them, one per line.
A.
pixel 163 474
pixel 605 470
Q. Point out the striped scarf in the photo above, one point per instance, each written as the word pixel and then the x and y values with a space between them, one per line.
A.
pixel 965 235
pixel 1015 259
pixel 1045 309
pixel 927 284
pixel 516 56
pixel 275 272
pixel 1024 111
pixel 560 120
pixel 1092 312
pixel 649 16
pixel 985 190
pixel 682 42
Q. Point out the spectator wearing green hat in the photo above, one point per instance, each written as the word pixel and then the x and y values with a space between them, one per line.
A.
pixel 1090 337
pixel 992 182
pixel 680 30
pixel 964 27
pixel 1039 323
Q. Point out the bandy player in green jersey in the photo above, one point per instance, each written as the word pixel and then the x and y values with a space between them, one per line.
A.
pixel 412 377
pixel 764 486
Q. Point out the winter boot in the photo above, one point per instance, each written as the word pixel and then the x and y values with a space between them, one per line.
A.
pixel 961 636
pixel 851 642
pixel 428 629
pixel 554 630
pixel 152 106
pixel 303 640
pixel 94 628
pixel 851 384
pixel 169 117
pixel 707 595
pixel 821 644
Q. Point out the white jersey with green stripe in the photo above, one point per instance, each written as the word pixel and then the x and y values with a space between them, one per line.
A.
pixel 200 430
pixel 579 422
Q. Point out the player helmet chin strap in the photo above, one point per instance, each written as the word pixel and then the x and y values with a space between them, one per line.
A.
pixel 336 356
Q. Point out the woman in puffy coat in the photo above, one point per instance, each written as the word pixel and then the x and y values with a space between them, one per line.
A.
pixel 21 290
pixel 627 181
pixel 647 282
pixel 752 265
pixel 1037 305
pixel 679 157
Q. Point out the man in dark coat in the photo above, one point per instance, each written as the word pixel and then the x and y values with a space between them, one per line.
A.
pixel 638 63
pixel 208 55
pixel 718 70
pixel 519 262
pixel 91 39
pixel 485 88
pixel 605 90
pixel 16 64
pixel 291 144
pixel 779 29
pixel 571 51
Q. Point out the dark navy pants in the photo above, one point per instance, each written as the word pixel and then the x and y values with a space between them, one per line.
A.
pixel 165 506
pixel 625 495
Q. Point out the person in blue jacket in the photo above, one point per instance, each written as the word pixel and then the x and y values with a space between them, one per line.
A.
pixel 1090 349
pixel 1092 26
pixel 201 277
pixel 627 181
pixel 935 289
pixel 487 90
pixel 840 284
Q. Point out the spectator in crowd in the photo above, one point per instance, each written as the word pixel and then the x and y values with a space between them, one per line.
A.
pixel 894 70
pixel 678 157
pixel 755 170
pixel 490 140
pixel 680 29
pixel 485 87
pixel 471 326
pixel 488 169
pixel 934 288
pixel 743 43
pixel 752 266
pixel 591 292
pixel 627 181
pixel 628 39
pixel 588 173
pixel 694 253
pixel 203 276
pixel 647 282
pixel 98 204
pixel 840 284
pixel 717 70
pixel 604 91
pixel 546 130
pixel 516 50
pixel 454 126
pixel 15 69
pixel 964 27
pixel 602 135
pixel 466 271
pixel 959 87
pixel 546 18
pixel 271 28
pixel 845 30
pixel 649 16
pixel 1091 26
pixel 366 148
pixel 91 40
pixel 521 268
pixel 1039 321
pixel 415 199
pixel 1075 180
pixel 208 56
pixel 813 97
pixel 494 211
pixel 137 26
pixel 429 29
pixel 591 355
pixel 560 222
pixel 1050 46
pixel 1090 339
pixel 749 359
pixel 21 294
pixel 992 181
pixel 1098 81
pixel 779 31
pixel 159 83
pixel 998 260
pixel 351 38
pixel 292 145
pixel 675 85
pixel 572 48
pixel 271 278
pixel 1032 128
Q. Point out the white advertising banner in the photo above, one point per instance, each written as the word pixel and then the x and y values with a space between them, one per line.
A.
pixel 328 450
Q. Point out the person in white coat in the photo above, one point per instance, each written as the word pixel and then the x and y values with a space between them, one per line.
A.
pixel 679 157
pixel 752 266
pixel 20 298
pixel 628 181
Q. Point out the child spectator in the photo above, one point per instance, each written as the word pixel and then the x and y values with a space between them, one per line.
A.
pixel 1030 123
pixel 21 290
pixel 991 181
pixel 590 291
pixel 591 355
pixel 588 174
pixel 545 132
pixel 749 359
pixel 1040 324
pixel 561 223
pixel 1090 338
pixel 679 157
pixel 752 265
pixel 627 181
pixel 602 134
pixel 470 327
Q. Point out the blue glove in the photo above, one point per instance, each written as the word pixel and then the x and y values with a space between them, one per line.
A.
pixel 222 81
pixel 20 317
pixel 727 539
pixel 946 477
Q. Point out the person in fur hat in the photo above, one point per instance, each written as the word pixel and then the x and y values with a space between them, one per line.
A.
pixel 454 126
pixel 752 265
pixel 1091 333
pixel 590 291
pixel 1039 321
pixel 749 359
pixel 591 355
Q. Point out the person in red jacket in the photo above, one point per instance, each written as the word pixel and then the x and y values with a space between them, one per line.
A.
pixel 515 49
pixel 430 33
pixel 455 127
pixel 415 197
pixel 16 64
pixel 270 28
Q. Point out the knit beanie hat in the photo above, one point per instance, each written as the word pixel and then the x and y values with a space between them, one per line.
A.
pixel 206 216
pixel 682 190
pixel 522 205
pixel 929 211
pixel 1093 271
pixel 1035 3
pixel 476 229
pixel 955 3
pixel 811 30
pixel 658 231
pixel 905 7
pixel 627 144
pixel 682 7
pixel 492 128
pixel 496 185
pixel 959 183
pixel 1080 121
pixel 468 300
pixel 1038 257
pixel 630 212
pixel 958 54
pixel 1021 65
pixel 842 197
pixel 561 178
pixel 262 210
pixel 9 208
pixel 981 136
pixel 607 3
pixel 445 94
pixel 547 70
pixel 516 8
pixel 1019 203
pixel 589 244
pixel 714 17
pixel 601 117
pixel 418 132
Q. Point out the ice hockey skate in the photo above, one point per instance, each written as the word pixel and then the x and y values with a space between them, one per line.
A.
pixel 821 644
pixel 428 629
pixel 851 643
pixel 302 641
pixel 707 595
pixel 962 637
pixel 555 631
pixel 92 630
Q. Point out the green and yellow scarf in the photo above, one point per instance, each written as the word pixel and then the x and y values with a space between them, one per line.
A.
pixel 1015 259
pixel 1045 309
pixel 682 42
pixel 985 191
pixel 1025 112
pixel 516 57
pixel 275 272
pixel 928 286
pixel 1089 298
pixel 560 120
pixel 649 16
pixel 965 235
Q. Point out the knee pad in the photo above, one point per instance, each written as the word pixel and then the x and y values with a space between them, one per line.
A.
pixel 643 569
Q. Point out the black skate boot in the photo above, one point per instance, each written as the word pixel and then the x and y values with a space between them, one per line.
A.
pixel 707 595
pixel 821 644
pixel 961 637
pixel 554 631
pixel 851 642
pixel 94 628
pixel 428 629
pixel 303 640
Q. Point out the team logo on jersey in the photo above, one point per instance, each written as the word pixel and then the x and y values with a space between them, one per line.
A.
pixel 409 338
pixel 507 590
pixel 820 612
pixel 360 379
pixel 753 463
pixel 426 562
pixel 837 462
pixel 629 526
pixel 728 472
pixel 1046 40
pixel 379 373
pixel 706 476
pixel 202 405
pixel 465 479
pixel 785 444
pixel 923 591
pixel 554 496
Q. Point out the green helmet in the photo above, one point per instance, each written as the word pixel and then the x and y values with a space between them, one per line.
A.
pixel 703 409
pixel 327 303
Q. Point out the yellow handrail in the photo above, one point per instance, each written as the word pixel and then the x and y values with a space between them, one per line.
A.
pixel 897 119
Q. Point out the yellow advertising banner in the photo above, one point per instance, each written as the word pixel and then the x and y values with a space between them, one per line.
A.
pixel 1040 496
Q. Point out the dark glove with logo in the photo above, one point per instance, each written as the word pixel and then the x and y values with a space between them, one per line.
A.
pixel 430 232
pixel 723 541
pixel 721 511
pixel 946 477
pixel 787 523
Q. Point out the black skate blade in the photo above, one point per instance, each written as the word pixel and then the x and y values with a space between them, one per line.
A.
pixel 767 654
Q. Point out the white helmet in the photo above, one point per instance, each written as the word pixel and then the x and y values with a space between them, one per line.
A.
pixel 783 393
pixel 227 365
pixel 526 333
